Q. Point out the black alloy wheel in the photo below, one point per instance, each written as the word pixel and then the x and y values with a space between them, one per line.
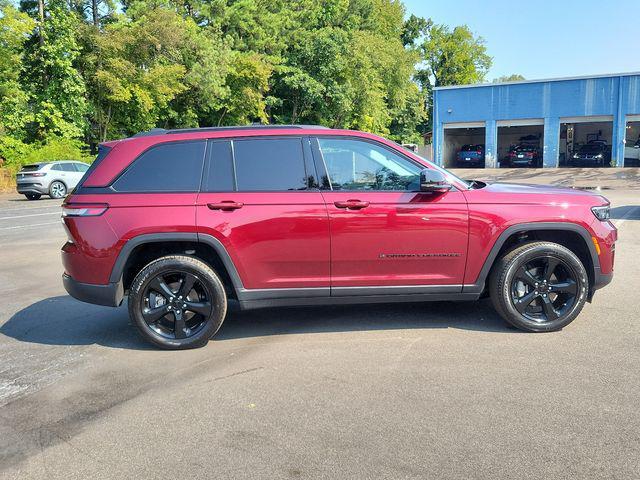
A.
pixel 539 286
pixel 544 289
pixel 177 302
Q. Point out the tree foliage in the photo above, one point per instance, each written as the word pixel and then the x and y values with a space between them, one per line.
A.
pixel 91 70
pixel 515 77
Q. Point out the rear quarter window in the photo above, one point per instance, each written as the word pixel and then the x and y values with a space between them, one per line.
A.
pixel 167 167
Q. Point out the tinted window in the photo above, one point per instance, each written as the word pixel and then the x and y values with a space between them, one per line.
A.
pixel 57 167
pixel 360 165
pixel 220 176
pixel 269 164
pixel 171 167
pixel 68 167
pixel 81 167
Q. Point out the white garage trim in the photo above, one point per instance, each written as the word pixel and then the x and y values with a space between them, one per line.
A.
pixel 521 122
pixel 464 125
pixel 601 118
pixel 632 118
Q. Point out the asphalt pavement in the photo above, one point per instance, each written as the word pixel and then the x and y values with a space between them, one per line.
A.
pixel 433 390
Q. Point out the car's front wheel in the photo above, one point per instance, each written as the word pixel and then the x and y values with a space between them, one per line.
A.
pixel 539 286
pixel 177 302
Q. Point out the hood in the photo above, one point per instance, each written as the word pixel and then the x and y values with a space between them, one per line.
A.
pixel 533 194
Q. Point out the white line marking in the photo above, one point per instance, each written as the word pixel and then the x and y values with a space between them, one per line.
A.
pixel 31 215
pixel 56 205
pixel 32 225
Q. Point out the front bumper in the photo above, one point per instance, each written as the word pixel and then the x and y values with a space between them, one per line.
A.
pixel 110 295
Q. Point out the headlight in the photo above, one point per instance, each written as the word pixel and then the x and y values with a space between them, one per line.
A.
pixel 602 213
pixel 599 155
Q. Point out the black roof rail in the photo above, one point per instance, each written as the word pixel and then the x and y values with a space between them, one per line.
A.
pixel 164 131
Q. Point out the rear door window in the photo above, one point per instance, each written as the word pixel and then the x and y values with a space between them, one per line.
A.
pixel 168 167
pixel 269 164
pixel 257 164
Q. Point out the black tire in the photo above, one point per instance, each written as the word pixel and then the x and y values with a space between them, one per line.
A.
pixel 57 189
pixel 33 196
pixel 532 294
pixel 161 284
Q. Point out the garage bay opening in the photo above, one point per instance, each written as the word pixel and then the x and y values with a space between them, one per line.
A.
pixel 632 144
pixel 463 146
pixel 585 143
pixel 520 143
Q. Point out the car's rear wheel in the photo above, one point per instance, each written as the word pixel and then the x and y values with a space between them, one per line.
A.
pixel 57 189
pixel 32 196
pixel 539 286
pixel 177 302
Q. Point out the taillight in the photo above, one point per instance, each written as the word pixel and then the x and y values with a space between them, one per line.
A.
pixel 34 174
pixel 479 152
pixel 84 209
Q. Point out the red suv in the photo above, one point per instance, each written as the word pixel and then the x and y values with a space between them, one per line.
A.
pixel 183 221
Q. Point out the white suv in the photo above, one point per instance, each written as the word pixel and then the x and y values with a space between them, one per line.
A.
pixel 52 178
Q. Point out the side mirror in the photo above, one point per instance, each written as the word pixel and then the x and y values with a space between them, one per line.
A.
pixel 433 181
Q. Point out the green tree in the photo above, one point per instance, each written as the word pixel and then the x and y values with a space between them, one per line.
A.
pixel 55 88
pixel 159 69
pixel 515 77
pixel 453 57
pixel 15 28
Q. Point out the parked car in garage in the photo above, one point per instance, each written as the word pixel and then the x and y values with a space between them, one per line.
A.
pixel 593 154
pixel 470 156
pixel 632 154
pixel 525 155
pixel 55 179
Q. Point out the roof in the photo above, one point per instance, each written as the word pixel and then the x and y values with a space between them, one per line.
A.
pixel 543 80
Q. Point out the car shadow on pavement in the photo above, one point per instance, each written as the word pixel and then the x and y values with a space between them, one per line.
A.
pixel 626 212
pixel 63 320
pixel 474 316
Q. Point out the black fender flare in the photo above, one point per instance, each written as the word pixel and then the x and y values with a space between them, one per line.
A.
pixel 125 252
pixel 478 286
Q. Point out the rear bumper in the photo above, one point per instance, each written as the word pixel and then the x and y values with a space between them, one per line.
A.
pixel 110 295
pixel 31 188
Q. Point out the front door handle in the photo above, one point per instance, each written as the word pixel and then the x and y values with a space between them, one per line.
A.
pixel 352 204
pixel 225 205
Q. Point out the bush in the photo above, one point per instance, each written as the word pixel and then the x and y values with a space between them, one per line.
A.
pixel 14 153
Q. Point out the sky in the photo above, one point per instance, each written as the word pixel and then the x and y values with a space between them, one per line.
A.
pixel 547 39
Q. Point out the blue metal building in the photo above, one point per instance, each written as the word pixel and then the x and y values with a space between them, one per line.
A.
pixel 561 113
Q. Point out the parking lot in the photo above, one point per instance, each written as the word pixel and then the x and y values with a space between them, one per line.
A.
pixel 434 390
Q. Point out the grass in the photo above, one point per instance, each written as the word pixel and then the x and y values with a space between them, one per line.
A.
pixel 7 181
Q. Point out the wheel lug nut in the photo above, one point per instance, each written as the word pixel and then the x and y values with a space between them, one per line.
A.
pixel 169 307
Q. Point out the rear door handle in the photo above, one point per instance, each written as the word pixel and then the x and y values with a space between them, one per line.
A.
pixel 226 205
pixel 352 204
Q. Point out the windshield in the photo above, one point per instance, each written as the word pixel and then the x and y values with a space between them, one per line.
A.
pixel 591 148
pixel 525 148
pixel 469 148
pixel 451 178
